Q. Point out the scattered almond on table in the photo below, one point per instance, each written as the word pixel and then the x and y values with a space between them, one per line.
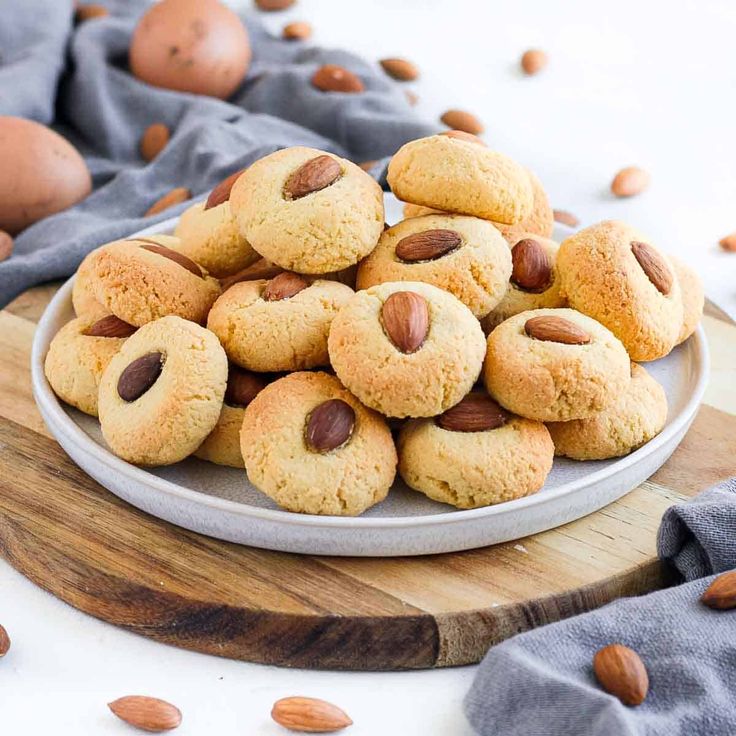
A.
pixel 334 78
pixel 462 120
pixel 629 182
pixel 565 218
pixel 4 641
pixel 149 714
pixel 6 245
pixel 271 5
pixel 154 139
pixel 309 714
pixel 400 69
pixel 721 593
pixel 728 243
pixel 533 61
pixel 620 671
pixel 175 196
pixel 299 30
pixel 87 11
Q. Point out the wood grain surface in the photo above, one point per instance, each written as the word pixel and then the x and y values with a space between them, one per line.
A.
pixel 78 541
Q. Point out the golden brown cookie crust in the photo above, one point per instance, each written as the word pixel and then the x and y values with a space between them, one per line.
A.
pixel 423 383
pixel 693 298
pixel 637 415
pixel 222 445
pixel 551 381
pixel 476 272
pixel 344 481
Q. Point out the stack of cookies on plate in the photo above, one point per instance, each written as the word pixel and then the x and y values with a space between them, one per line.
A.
pixel 284 328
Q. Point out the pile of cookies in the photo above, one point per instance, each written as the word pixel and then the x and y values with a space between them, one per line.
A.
pixel 285 329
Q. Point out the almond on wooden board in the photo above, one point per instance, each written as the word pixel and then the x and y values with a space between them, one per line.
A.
pixel 312 176
pixel 532 270
pixel 110 326
pixel 6 245
pixel 271 5
pixel 462 120
pixel 87 11
pixel 653 265
pixel 630 181
pixel 405 318
pixel 550 328
pixel 310 715
pixel 428 245
pixel 4 641
pixel 620 671
pixel 175 196
pixel 330 425
pixel 221 193
pixel 284 286
pixel 400 69
pixel 154 139
pixel 334 78
pixel 565 218
pixel 728 243
pixel 533 61
pixel 475 413
pixel 174 256
pixel 721 593
pixel 298 30
pixel 139 376
pixel 148 714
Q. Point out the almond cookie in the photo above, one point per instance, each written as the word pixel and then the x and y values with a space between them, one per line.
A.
pixel 78 355
pixel 540 222
pixel 222 445
pixel 278 325
pixel 693 298
pixel 614 274
pixel 535 283
pixel 210 235
pixel 635 417
pixel 475 454
pixel 141 280
pixel 555 365
pixel 313 448
pixel 463 255
pixel 161 394
pixel 406 349
pixel 455 175
pixel 308 211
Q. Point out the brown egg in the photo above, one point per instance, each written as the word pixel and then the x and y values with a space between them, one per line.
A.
pixel 41 173
pixel 191 45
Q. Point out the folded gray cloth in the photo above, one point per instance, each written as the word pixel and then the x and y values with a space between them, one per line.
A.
pixel 541 683
pixel 103 110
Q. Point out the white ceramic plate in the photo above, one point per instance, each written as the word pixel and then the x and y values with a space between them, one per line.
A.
pixel 220 502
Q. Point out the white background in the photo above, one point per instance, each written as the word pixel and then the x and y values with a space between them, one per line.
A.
pixel 631 82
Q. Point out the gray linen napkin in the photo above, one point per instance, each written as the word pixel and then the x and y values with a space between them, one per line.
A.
pixel 104 110
pixel 541 683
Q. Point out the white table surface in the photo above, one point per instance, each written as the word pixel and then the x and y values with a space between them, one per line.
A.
pixel 631 82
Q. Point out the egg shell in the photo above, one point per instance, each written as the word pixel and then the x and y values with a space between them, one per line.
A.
pixel 197 46
pixel 41 173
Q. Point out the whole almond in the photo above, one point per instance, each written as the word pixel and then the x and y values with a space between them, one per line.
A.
pixel 310 715
pixel 329 425
pixel 550 328
pixel 261 269
pixel 139 376
pixel 532 270
pixel 242 386
pixel 462 120
pixel 565 218
pixel 653 265
pixel 721 593
pixel 728 243
pixel 405 318
pixel 6 245
pixel 4 641
pixel 175 256
pixel 110 326
pixel 87 11
pixel 400 69
pixel 221 193
pixel 334 78
pixel 312 176
pixel 175 196
pixel 284 286
pixel 463 136
pixel 270 5
pixel 148 714
pixel 475 413
pixel 154 139
pixel 533 61
pixel 620 671
pixel 297 31
pixel 629 182
pixel 428 245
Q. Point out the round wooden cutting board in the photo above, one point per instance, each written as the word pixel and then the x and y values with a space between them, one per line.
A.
pixel 78 541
